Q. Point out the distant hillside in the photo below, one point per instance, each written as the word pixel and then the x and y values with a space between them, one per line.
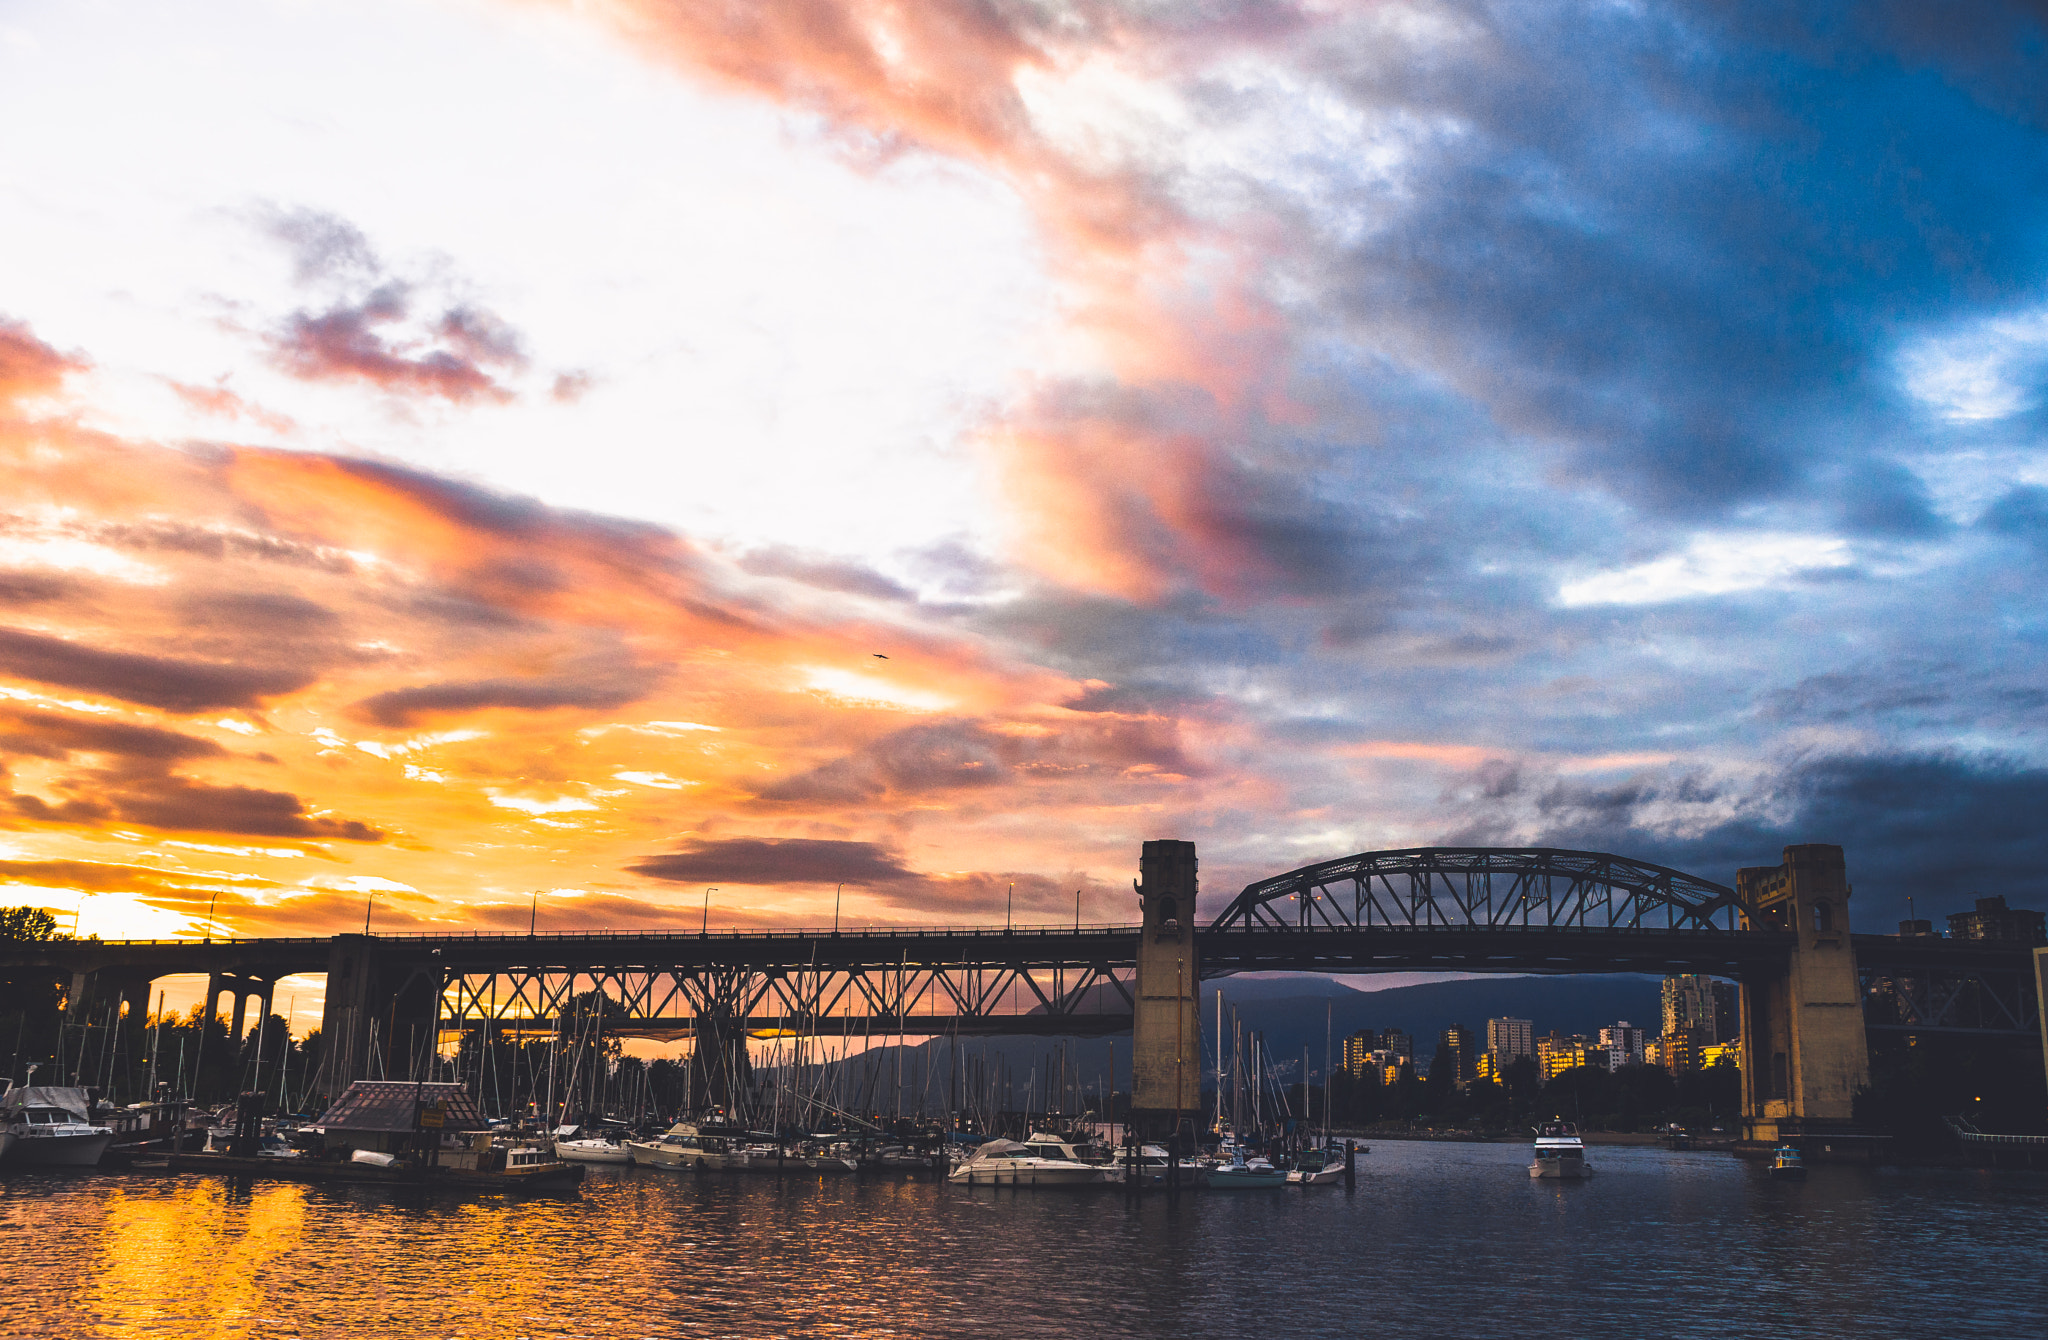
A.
pixel 1290 1012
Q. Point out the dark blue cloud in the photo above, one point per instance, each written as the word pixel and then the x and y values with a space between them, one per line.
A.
pixel 1681 249
pixel 1940 827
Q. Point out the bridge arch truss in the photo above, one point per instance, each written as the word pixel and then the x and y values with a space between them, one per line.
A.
pixel 1495 888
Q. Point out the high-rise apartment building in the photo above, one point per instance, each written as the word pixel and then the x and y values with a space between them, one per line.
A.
pixel 1693 1001
pixel 1358 1050
pixel 1398 1042
pixel 1509 1040
pixel 1556 1054
pixel 1993 920
pixel 1624 1043
pixel 1460 1051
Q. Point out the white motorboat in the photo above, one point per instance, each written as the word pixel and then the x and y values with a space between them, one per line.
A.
pixel 1012 1163
pixel 1318 1167
pixel 1244 1173
pixel 688 1147
pixel 1560 1153
pixel 592 1150
pixel 53 1128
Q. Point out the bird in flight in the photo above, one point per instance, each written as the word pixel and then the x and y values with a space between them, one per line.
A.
pixel 878 656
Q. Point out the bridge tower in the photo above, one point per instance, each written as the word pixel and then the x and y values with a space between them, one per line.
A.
pixel 1166 1026
pixel 1804 1050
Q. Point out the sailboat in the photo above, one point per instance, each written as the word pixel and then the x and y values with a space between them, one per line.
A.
pixel 1323 1166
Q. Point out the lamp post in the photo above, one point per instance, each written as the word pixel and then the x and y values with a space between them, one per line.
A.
pixel 835 907
pixel 1009 911
pixel 211 899
pixel 368 902
pixel 1077 911
pixel 533 917
pixel 705 929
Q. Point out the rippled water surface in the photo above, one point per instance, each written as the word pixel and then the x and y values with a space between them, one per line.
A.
pixel 1438 1240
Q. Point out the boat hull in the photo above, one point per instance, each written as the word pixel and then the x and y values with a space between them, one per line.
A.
pixel 1245 1179
pixel 655 1155
pixel 60 1151
pixel 1563 1170
pixel 575 1152
pixel 1015 1177
pixel 1328 1175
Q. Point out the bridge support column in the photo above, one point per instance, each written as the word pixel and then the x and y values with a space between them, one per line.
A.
pixel 1804 1050
pixel 353 1003
pixel 1166 1025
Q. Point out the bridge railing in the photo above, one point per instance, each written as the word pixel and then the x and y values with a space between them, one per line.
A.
pixel 1108 929
pixel 1104 929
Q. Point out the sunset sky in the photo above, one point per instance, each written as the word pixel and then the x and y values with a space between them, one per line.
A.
pixel 458 449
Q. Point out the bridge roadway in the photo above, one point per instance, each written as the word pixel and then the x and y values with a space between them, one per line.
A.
pixel 946 980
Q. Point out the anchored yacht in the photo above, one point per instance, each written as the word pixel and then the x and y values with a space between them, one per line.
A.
pixel 1013 1164
pixel 52 1128
pixel 689 1147
pixel 1560 1153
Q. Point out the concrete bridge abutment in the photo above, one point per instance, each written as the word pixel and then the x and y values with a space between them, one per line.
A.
pixel 1805 1053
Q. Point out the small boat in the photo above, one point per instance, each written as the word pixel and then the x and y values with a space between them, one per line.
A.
pixel 52 1128
pixel 1245 1173
pixel 1560 1153
pixel 591 1149
pixel 690 1147
pixel 1013 1164
pixel 1318 1168
pixel 1786 1165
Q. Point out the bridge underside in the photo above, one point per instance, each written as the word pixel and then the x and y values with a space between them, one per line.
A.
pixel 1509 949
pixel 868 1027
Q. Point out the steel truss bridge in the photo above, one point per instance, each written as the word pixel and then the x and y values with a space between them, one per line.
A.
pixel 1523 910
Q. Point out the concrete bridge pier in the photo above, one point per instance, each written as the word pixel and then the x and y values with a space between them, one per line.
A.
pixel 1166 1026
pixel 244 988
pixel 382 1015
pixel 1804 1050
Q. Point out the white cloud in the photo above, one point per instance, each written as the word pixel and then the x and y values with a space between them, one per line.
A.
pixel 234 851
pixel 655 779
pixel 849 686
pixel 1985 372
pixel 63 553
pixel 1712 565
pixel 527 805
pixel 357 884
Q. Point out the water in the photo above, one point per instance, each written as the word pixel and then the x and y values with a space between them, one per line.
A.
pixel 1438 1240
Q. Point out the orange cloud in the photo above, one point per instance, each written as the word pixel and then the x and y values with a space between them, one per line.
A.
pixel 283 676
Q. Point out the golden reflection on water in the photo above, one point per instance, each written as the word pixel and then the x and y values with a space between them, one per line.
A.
pixel 196 1254
pixel 210 1258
